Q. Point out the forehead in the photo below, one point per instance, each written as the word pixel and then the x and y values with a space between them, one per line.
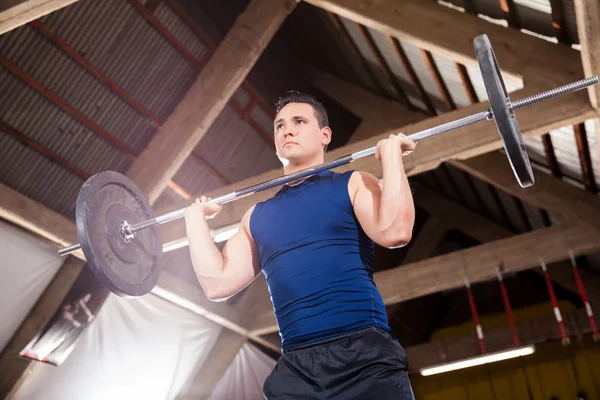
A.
pixel 295 110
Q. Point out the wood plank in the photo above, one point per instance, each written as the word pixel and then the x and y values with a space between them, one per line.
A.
pixel 14 13
pixel 517 253
pixel 587 13
pixel 22 211
pixel 496 339
pixel 12 366
pixel 457 216
pixel 204 101
pixel 428 239
pixel 378 114
pixel 549 193
pixel 203 380
pixel 449 33
pixel 28 214
pixel 485 230
pixel 463 143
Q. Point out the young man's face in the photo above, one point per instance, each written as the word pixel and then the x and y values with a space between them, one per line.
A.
pixel 297 134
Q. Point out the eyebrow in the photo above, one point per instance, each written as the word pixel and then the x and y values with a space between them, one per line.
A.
pixel 296 117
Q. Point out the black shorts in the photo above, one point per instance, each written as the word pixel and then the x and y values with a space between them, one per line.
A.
pixel 365 364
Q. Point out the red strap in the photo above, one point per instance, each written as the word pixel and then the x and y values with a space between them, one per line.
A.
pixel 509 312
pixel 585 300
pixel 557 314
pixel 476 320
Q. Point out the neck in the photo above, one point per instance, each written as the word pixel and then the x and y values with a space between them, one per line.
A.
pixel 295 167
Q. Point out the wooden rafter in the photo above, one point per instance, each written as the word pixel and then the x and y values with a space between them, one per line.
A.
pixel 497 339
pixel 587 13
pixel 202 104
pixel 15 13
pixel 424 25
pixel 549 193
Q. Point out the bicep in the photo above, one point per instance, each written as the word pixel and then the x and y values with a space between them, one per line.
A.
pixel 240 256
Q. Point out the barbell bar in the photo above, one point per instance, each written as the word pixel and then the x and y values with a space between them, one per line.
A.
pixel 124 254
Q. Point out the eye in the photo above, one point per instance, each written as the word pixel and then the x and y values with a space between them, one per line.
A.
pixel 299 121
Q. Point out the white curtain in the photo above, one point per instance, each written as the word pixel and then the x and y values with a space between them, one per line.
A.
pixel 142 348
pixel 27 265
pixel 244 378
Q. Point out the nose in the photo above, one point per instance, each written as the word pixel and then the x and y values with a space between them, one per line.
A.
pixel 289 132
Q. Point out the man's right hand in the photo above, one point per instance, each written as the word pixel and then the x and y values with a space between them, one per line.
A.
pixel 201 209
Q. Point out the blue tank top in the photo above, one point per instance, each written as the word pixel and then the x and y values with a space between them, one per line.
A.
pixel 317 261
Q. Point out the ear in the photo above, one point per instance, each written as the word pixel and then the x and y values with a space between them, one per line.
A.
pixel 326 136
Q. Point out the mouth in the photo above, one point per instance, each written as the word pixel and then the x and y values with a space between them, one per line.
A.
pixel 289 144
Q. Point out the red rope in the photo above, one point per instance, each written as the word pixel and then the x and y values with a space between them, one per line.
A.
pixel 509 313
pixel 557 314
pixel 584 298
pixel 475 318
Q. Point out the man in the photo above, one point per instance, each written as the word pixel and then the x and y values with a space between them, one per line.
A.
pixel 314 242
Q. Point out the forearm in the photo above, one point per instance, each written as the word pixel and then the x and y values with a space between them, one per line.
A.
pixel 396 206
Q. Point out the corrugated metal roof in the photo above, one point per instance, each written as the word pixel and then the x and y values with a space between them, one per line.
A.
pixel 116 39
pixel 38 178
pixel 196 178
pixel 181 31
pixel 57 72
pixel 235 149
pixel 37 117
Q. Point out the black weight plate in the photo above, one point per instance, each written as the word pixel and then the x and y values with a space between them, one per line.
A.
pixel 104 202
pixel 506 122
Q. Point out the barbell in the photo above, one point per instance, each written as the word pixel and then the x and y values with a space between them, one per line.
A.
pixel 118 232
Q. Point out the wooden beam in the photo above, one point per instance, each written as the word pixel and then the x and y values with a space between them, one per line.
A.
pixel 587 13
pixel 428 239
pixel 14 13
pixel 517 253
pixel 454 215
pixel 549 193
pixel 378 114
pixel 464 143
pixel 496 339
pixel 28 214
pixel 22 211
pixel 204 101
pixel 203 380
pixel 425 24
pixel 484 230
pixel 12 366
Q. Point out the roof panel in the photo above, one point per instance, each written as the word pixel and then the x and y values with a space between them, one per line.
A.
pixel 180 30
pixel 26 171
pixel 449 71
pixel 565 149
pixel 58 73
pixel 416 59
pixel 119 41
pixel 368 55
pixel 196 178
pixel 41 120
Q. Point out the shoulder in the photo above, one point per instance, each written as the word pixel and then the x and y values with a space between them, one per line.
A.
pixel 245 222
pixel 362 180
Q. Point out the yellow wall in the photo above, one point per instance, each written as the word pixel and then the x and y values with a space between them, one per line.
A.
pixel 548 370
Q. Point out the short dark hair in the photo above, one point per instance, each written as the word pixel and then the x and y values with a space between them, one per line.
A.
pixel 294 96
